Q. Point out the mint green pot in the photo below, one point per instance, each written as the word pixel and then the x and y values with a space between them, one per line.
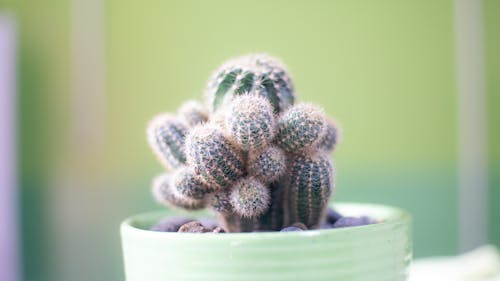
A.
pixel 381 251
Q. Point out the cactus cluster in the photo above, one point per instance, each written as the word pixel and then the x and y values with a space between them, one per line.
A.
pixel 249 153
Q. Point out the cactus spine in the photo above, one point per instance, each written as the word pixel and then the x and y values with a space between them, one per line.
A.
pixel 251 156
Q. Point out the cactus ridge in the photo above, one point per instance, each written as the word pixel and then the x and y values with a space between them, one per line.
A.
pixel 186 183
pixel 310 186
pixel 250 198
pixel 193 113
pixel 259 74
pixel 300 128
pixel 269 165
pixel 250 122
pixel 164 194
pixel 166 136
pixel 217 162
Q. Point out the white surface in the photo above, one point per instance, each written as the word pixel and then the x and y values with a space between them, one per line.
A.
pixel 481 264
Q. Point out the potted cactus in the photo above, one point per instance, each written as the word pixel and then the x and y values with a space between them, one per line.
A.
pixel 260 162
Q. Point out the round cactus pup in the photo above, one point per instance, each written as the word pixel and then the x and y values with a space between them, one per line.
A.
pixel 331 137
pixel 193 113
pixel 267 166
pixel 164 194
pixel 250 122
pixel 213 157
pixel 186 183
pixel 250 198
pixel 300 128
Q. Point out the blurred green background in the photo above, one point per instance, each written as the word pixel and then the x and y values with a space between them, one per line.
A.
pixel 385 69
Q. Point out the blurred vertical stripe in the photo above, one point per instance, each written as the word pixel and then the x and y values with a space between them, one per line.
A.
pixel 9 250
pixel 492 38
pixel 75 185
pixel 472 143
pixel 87 74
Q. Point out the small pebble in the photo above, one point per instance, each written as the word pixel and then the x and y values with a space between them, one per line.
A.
pixel 332 216
pixel 291 228
pixel 170 224
pixel 218 229
pixel 326 225
pixel 352 221
pixel 194 227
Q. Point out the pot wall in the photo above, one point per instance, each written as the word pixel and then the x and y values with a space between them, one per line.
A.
pixel 381 251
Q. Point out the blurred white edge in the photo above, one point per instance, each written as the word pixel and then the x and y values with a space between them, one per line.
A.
pixel 480 264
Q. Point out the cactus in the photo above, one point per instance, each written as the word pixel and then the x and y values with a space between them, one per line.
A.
pixel 257 74
pixel 273 218
pixel 301 127
pixel 249 198
pixel 250 122
pixel 212 156
pixel 233 222
pixel 220 202
pixel 186 183
pixel 255 159
pixel 193 113
pixel 309 186
pixel 166 136
pixel 331 137
pixel 267 166
pixel 164 194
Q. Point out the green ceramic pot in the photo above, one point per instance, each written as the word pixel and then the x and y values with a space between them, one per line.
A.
pixel 381 251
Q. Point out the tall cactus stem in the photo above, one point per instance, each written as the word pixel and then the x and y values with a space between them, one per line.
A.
pixel 309 187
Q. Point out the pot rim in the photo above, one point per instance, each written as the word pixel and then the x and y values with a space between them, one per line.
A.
pixel 386 215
